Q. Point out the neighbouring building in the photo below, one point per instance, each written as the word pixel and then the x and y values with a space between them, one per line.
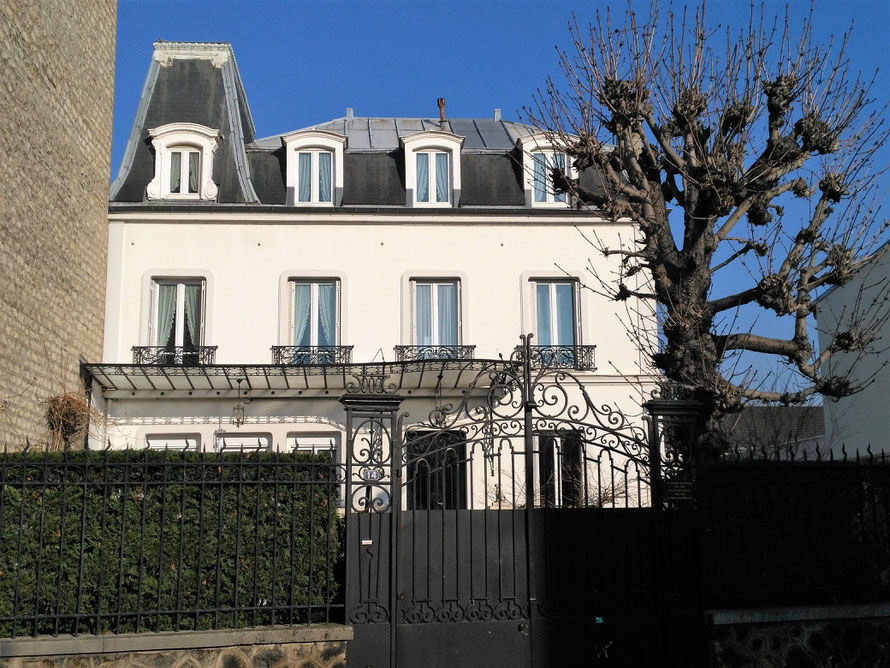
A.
pixel 56 147
pixel 253 281
pixel 860 421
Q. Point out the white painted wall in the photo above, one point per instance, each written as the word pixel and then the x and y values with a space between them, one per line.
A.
pixel 861 420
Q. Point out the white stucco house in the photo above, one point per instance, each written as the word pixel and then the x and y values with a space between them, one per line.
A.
pixel 251 282
pixel 860 421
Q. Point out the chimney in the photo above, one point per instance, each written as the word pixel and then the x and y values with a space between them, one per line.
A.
pixel 441 103
pixel 349 114
pixel 497 114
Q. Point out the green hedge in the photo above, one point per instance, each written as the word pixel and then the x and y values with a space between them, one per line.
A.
pixel 125 541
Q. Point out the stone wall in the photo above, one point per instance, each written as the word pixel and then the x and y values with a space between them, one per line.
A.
pixel 837 636
pixel 56 99
pixel 317 646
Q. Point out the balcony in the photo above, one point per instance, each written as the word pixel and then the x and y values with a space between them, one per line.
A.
pixel 174 355
pixel 419 353
pixel 311 355
pixel 580 358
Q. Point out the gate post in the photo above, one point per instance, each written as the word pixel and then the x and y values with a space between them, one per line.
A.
pixel 372 503
pixel 674 430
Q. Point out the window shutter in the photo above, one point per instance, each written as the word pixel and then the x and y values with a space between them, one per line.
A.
pixel 203 324
pixel 460 313
pixel 152 311
pixel 576 301
pixel 337 338
pixel 289 330
pixel 411 301
pixel 533 308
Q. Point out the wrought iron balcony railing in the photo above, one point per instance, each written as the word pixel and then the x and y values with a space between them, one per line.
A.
pixel 580 358
pixel 311 355
pixel 174 356
pixel 417 353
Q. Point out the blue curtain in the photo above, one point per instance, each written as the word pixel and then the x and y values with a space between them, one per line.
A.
pixel 565 314
pixel 424 315
pixel 324 177
pixel 441 177
pixel 540 181
pixel 304 178
pixel 175 171
pixel 327 314
pixel 559 161
pixel 447 307
pixel 302 304
pixel 542 302
pixel 423 177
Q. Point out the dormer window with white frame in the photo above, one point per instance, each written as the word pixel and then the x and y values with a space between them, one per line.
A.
pixel 183 162
pixel 314 167
pixel 432 169
pixel 539 159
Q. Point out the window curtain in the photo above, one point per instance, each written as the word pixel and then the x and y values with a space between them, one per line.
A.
pixel 327 314
pixel 194 171
pixel 166 312
pixel 441 177
pixel 423 177
pixel 302 299
pixel 304 185
pixel 175 171
pixel 424 324
pixel 324 177
pixel 542 296
pixel 193 313
pixel 565 314
pixel 447 307
pixel 559 161
pixel 540 174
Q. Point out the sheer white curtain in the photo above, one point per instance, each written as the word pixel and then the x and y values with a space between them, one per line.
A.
pixel 305 178
pixel 302 304
pixel 542 305
pixel 565 314
pixel 324 177
pixel 193 312
pixel 423 177
pixel 447 312
pixel 540 180
pixel 441 177
pixel 424 325
pixel 327 314
pixel 194 171
pixel 559 161
pixel 166 311
pixel 175 171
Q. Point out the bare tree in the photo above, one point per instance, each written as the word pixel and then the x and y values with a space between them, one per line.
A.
pixel 703 138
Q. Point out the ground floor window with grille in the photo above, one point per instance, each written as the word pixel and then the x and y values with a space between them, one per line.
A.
pixel 244 442
pixel 173 442
pixel 560 469
pixel 436 463
pixel 316 444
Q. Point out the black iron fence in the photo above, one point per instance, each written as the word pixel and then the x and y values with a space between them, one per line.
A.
pixel 786 528
pixel 308 355
pixel 174 355
pixel 121 541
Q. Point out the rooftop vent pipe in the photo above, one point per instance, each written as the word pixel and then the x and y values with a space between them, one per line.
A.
pixel 441 103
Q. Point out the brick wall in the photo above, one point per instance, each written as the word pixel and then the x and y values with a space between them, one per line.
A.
pixel 56 98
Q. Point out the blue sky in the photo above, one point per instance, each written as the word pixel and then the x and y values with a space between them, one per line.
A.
pixel 305 61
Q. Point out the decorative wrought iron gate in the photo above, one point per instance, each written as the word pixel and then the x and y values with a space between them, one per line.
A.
pixel 511 527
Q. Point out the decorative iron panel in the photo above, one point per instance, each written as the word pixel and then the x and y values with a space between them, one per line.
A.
pixel 580 358
pixel 311 355
pixel 174 355
pixel 412 353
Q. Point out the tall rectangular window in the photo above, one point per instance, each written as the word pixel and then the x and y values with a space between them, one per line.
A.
pixel 314 177
pixel 542 180
pixel 185 171
pixel 560 469
pixel 178 317
pixel 315 311
pixel 436 306
pixel 433 180
pixel 553 305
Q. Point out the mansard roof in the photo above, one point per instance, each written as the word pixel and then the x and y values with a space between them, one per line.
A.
pixel 199 82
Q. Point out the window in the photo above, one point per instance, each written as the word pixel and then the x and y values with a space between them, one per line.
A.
pixel 315 320
pixel 177 320
pixel 539 159
pixel 436 470
pixel 432 168
pixel 183 162
pixel 314 167
pixel 243 442
pixel 314 443
pixel 544 163
pixel 436 312
pixel 554 312
pixel 314 177
pixel 560 472
pixel 433 185
pixel 173 442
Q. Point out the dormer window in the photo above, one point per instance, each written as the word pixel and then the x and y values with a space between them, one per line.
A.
pixel 183 162
pixel 314 167
pixel 432 168
pixel 539 159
